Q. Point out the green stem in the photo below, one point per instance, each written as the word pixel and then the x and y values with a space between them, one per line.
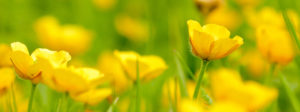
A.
pixel 204 64
pixel 58 109
pixel 14 98
pixel 269 76
pixel 137 86
pixel 31 97
pixel 112 106
pixel 291 95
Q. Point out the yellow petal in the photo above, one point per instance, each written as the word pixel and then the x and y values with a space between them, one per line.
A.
pixel 56 59
pixel 93 96
pixel 5 52
pixel 22 63
pixel 224 47
pixel 193 25
pixel 218 32
pixel 18 46
pixel 201 44
pixel 7 77
pixel 91 76
pixel 156 66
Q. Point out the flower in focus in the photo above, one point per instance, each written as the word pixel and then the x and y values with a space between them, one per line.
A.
pixel 212 41
pixel 255 64
pixel 105 4
pixel 92 96
pixel 71 38
pixel 225 17
pixel 131 28
pixel 5 52
pixel 275 44
pixel 31 67
pixel 227 86
pixel 7 77
pixel 149 66
pixel 109 65
pixel 72 79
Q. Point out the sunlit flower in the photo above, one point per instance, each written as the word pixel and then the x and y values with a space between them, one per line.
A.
pixel 93 96
pixel 72 79
pixel 7 78
pixel 227 107
pixel 224 16
pixel 187 105
pixel 5 52
pixel 275 44
pixel 212 41
pixel 31 67
pixel 110 66
pixel 105 4
pixel 149 66
pixel 72 38
pixel 227 86
pixel 131 28
pixel 255 64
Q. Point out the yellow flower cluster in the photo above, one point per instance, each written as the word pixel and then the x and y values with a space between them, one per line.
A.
pixel 71 38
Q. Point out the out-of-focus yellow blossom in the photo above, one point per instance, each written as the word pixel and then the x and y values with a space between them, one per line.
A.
pixel 225 17
pixel 227 86
pixel 149 66
pixel 187 105
pixel 92 96
pixel 255 64
pixel 5 52
pixel 131 28
pixel 109 65
pixel 275 44
pixel 105 4
pixel 72 38
pixel 227 107
pixel 212 41
pixel 21 100
pixel 31 67
pixel 72 79
pixel 207 6
pixel 271 17
pixel 7 78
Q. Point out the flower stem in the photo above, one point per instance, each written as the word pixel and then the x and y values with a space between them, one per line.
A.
pixel 137 87
pixel 269 76
pixel 289 92
pixel 14 98
pixel 204 64
pixel 31 97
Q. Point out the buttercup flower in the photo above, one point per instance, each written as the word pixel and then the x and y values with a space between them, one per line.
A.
pixel 71 38
pixel 227 86
pixel 105 4
pixel 93 96
pixel 211 41
pixel 124 25
pixel 255 64
pixel 72 79
pixel 275 44
pixel 149 66
pixel 7 77
pixel 31 67
pixel 110 66
pixel 187 105
pixel 5 52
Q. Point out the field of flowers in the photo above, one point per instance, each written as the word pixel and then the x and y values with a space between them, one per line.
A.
pixel 149 56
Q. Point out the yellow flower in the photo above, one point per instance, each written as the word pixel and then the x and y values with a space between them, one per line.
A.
pixel 187 105
pixel 211 41
pixel 93 96
pixel 225 17
pixel 72 79
pixel 149 66
pixel 255 64
pixel 227 107
pixel 5 52
pixel 275 44
pixel 7 78
pixel 109 65
pixel 105 4
pixel 227 86
pixel 131 28
pixel 31 67
pixel 71 38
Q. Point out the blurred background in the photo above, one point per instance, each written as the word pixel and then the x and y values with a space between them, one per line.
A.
pixel 156 27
